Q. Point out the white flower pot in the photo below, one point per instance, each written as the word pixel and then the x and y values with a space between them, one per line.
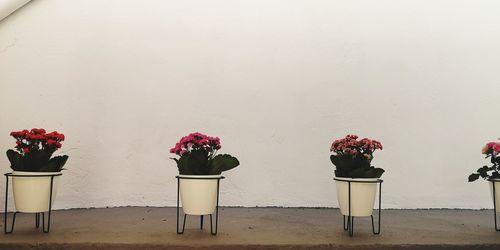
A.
pixel 362 195
pixel 497 193
pixel 31 194
pixel 199 195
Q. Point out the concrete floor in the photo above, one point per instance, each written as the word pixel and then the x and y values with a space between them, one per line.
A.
pixel 255 228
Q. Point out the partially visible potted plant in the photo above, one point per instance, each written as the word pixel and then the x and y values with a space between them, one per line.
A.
pixel 491 173
pixel 199 167
pixel 33 156
pixel 352 159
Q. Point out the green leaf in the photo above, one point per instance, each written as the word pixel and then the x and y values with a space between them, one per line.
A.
pixel 183 166
pixel 361 162
pixel 16 160
pixel 483 171
pixel 374 173
pixel 55 164
pixel 194 163
pixel 483 168
pixel 357 173
pixel 36 159
pixel 473 177
pixel 495 160
pixel 341 169
pixel 176 160
pixel 221 163
pixel 357 167
pixel 495 175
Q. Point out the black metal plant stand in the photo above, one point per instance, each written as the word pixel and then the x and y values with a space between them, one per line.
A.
pixel 349 227
pixel 45 226
pixel 493 182
pixel 212 230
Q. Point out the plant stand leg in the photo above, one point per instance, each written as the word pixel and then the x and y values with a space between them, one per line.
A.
pixel 212 231
pixel 495 206
pixel 377 232
pixel 46 226
pixel 47 229
pixel 5 211
pixel 348 224
pixel 184 222
pixel 350 219
pixel 183 225
pixel 12 226
pixel 373 226
pixel 351 227
pixel 37 220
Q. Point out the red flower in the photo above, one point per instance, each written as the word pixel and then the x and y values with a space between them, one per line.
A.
pixel 32 136
pixel 38 131
pixel 36 140
pixel 55 136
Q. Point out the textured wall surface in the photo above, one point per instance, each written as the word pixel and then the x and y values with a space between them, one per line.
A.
pixel 276 80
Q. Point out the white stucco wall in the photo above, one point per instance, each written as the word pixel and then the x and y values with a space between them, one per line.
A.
pixel 276 80
pixel 7 7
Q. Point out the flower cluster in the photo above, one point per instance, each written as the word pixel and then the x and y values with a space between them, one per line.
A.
pixel 350 145
pixel 36 140
pixel 492 151
pixel 196 141
pixel 492 148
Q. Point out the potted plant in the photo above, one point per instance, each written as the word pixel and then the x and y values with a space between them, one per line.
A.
pixel 491 173
pixel 32 156
pixel 352 159
pixel 200 169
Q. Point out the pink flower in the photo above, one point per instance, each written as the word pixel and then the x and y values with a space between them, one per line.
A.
pixel 349 145
pixel 490 148
pixel 485 149
pixel 354 137
pixel 496 147
pixel 195 141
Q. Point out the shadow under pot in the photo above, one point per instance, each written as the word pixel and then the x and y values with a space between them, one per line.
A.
pixel 362 195
pixel 199 193
pixel 32 190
